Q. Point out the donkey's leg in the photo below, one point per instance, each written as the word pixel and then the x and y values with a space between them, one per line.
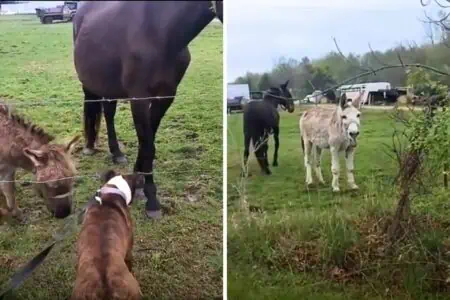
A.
pixel 9 190
pixel 349 158
pixel 308 161
pixel 109 110
pixel 318 169
pixel 276 132
pixel 92 118
pixel 335 168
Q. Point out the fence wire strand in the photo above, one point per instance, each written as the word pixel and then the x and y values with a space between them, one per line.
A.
pixel 65 101
pixel 98 176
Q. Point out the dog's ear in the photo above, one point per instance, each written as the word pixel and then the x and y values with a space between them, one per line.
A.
pixel 107 175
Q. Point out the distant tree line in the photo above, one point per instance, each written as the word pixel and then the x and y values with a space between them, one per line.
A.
pixel 308 75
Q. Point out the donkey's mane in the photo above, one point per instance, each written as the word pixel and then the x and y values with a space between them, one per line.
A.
pixel 34 129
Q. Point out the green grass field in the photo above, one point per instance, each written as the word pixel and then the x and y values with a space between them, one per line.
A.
pixel 300 243
pixel 178 257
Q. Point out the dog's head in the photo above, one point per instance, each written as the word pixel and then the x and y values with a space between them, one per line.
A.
pixel 134 181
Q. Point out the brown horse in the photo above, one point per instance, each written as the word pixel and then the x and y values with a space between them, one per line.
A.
pixel 26 146
pixel 135 49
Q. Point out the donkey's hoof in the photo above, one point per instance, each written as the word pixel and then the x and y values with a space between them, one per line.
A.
pixel 354 187
pixel 309 184
pixel 153 214
pixel 17 213
pixel 119 159
pixel 88 151
pixel 336 190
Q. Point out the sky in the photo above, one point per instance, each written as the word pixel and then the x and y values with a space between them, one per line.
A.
pixel 261 31
pixel 30 6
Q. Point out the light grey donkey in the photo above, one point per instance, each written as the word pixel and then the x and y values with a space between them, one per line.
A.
pixel 335 129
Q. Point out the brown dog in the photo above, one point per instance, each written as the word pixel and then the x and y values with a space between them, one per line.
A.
pixel 105 244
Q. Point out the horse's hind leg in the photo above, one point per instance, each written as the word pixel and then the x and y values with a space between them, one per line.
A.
pixel 318 169
pixel 247 139
pixel 92 118
pixel 276 132
pixel 109 109
pixel 261 148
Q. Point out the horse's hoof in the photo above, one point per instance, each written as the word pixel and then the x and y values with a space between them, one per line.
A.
pixel 275 164
pixel 267 172
pixel 153 214
pixel 88 151
pixel 120 160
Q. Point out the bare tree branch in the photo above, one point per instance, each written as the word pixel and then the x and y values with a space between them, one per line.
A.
pixel 346 59
pixel 440 72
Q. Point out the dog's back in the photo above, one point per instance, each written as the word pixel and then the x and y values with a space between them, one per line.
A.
pixel 104 245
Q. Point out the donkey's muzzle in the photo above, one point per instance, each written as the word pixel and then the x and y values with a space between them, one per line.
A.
pixel 354 134
pixel 62 210
pixel 61 207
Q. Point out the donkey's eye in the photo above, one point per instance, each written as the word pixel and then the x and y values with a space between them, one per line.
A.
pixel 358 115
pixel 344 117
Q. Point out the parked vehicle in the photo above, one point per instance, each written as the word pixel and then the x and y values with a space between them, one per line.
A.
pixel 235 103
pixel 64 12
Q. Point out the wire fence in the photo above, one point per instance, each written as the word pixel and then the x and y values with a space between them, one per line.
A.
pixel 77 100
pixel 99 176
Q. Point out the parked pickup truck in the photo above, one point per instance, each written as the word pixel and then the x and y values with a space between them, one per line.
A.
pixel 60 13
pixel 235 103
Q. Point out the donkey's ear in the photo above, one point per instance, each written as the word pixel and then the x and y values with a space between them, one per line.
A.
pixel 71 145
pixel 357 102
pixel 343 101
pixel 37 157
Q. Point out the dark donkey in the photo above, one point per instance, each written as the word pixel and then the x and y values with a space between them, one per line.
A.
pixel 261 118
pixel 135 49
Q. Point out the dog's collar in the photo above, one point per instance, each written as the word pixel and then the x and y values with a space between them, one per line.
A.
pixel 122 189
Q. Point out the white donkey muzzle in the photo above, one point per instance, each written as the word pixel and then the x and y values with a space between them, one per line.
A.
pixel 353 131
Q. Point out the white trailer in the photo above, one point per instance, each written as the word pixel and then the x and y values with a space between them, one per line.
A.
pixel 353 90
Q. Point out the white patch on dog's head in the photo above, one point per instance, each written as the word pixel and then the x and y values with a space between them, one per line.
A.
pixel 123 186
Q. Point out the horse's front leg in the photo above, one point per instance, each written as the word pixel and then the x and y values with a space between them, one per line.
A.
pixel 276 132
pixel 146 155
pixel 349 160
pixel 335 168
